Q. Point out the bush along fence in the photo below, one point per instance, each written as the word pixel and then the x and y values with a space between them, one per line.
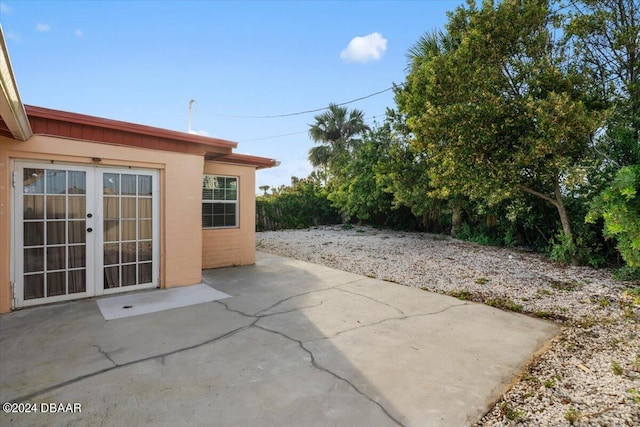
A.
pixel 267 217
pixel 302 205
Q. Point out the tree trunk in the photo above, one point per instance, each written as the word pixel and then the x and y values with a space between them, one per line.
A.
pixel 456 218
pixel 564 219
pixel 562 212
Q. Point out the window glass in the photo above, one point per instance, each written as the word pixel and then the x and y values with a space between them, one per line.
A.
pixel 219 201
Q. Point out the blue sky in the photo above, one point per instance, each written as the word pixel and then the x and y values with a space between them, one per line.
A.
pixel 142 61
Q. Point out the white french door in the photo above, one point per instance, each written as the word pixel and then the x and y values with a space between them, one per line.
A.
pixel 81 231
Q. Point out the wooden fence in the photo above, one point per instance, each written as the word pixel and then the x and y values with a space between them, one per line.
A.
pixel 266 222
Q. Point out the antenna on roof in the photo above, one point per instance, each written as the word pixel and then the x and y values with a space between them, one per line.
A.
pixel 190 104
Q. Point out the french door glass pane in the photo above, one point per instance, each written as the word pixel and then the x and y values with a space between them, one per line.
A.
pixel 33 260
pixel 144 185
pixel 128 185
pixel 129 275
pixel 77 280
pixel 77 208
pixel 56 207
pixel 111 230
pixel 56 258
pixel 144 251
pixel 128 229
pixel 128 207
pixel 111 277
pixel 77 182
pixel 111 207
pixel 129 252
pixel 33 286
pixel 56 181
pixel 111 183
pixel 111 253
pixel 145 227
pixel 144 272
pixel 33 181
pixel 127 233
pixel 77 233
pixel 33 207
pixel 54 227
pixel 145 208
pixel 33 233
pixel 56 232
pixel 77 256
pixel 56 283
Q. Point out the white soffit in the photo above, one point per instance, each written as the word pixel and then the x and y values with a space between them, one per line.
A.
pixel 11 108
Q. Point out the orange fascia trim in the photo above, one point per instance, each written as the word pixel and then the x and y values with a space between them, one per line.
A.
pixel 245 159
pixel 99 122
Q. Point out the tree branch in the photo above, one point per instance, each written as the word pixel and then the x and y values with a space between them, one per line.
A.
pixel 538 194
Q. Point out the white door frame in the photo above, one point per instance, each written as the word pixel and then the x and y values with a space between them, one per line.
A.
pixel 155 249
pixel 94 240
pixel 17 248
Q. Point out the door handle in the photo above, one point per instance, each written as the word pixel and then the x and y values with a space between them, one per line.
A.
pixel 89 215
pixel 89 230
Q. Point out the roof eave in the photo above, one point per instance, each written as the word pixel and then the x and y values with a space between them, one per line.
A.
pixel 11 109
pixel 245 160
pixel 83 119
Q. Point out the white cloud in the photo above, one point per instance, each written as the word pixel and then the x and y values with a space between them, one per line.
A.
pixel 13 36
pixel 199 132
pixel 365 49
pixel 43 28
pixel 78 32
pixel 5 9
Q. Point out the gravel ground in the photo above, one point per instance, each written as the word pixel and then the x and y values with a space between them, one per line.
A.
pixel 589 375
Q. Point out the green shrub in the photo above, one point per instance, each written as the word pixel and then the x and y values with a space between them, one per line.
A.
pixel 301 205
pixel 619 206
pixel 627 274
pixel 562 249
pixel 572 415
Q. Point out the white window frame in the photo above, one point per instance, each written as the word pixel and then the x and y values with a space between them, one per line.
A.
pixel 213 202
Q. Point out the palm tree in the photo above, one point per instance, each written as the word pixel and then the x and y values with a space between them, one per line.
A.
pixel 429 45
pixel 336 130
pixel 319 156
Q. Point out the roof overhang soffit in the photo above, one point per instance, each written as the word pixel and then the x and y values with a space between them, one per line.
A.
pixel 11 108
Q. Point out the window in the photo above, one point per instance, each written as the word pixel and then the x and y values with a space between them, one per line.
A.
pixel 219 201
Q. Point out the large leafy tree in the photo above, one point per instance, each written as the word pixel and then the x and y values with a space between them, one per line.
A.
pixel 337 131
pixel 605 35
pixel 358 193
pixel 497 109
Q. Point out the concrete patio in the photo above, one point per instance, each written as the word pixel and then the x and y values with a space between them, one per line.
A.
pixel 297 344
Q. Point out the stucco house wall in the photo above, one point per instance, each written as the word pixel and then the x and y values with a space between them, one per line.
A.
pixel 223 247
pixel 180 199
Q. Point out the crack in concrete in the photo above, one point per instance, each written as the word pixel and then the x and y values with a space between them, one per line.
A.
pixel 233 310
pixel 262 316
pixel 105 354
pixel 133 362
pixel 256 317
pixel 372 299
pixel 389 319
pixel 307 293
pixel 162 356
pixel 316 365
